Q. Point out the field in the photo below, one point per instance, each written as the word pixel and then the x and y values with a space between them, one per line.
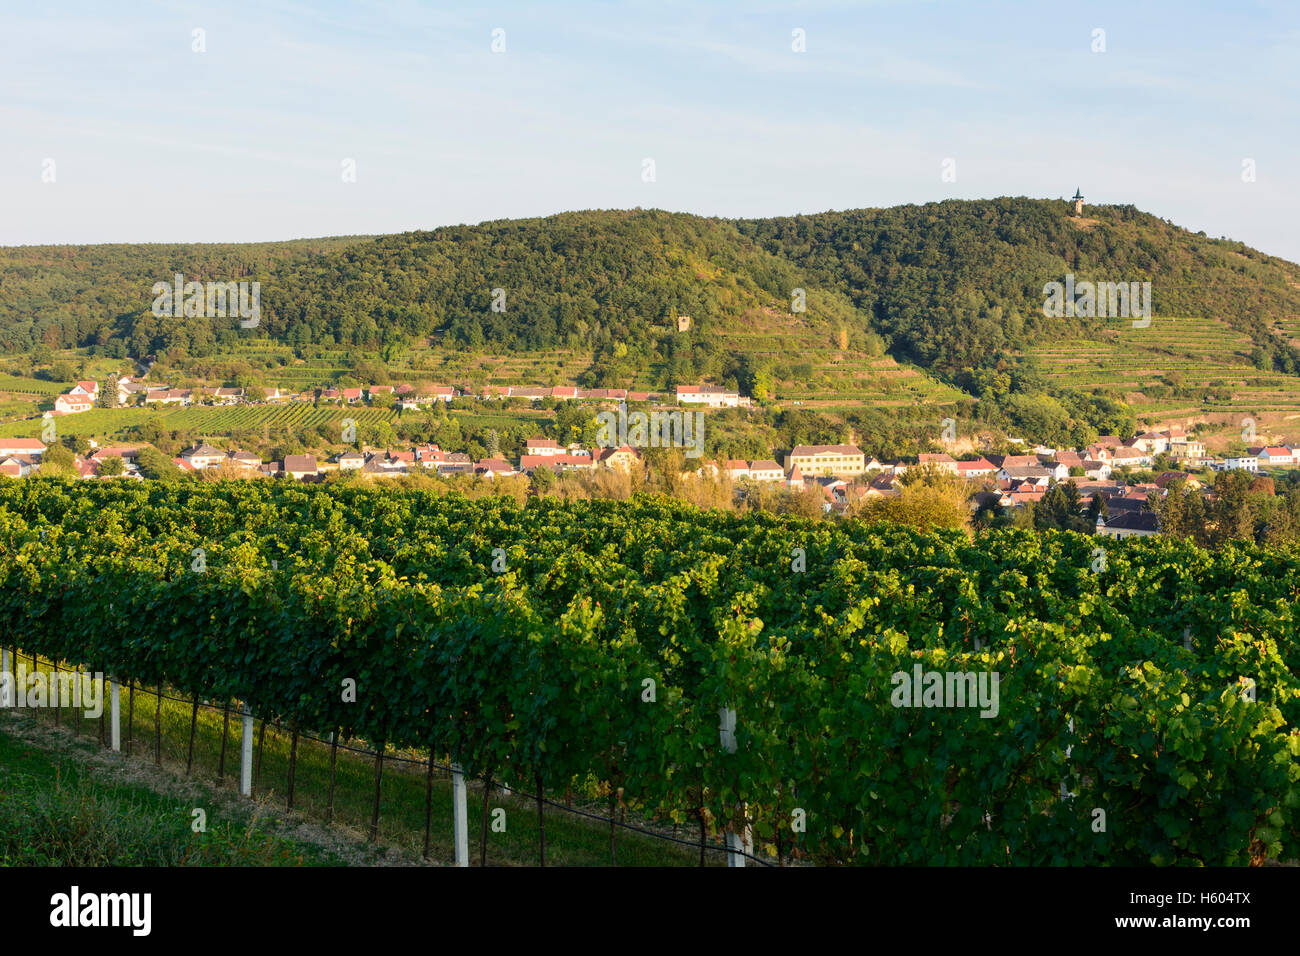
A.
pixel 595 647
pixel 35 387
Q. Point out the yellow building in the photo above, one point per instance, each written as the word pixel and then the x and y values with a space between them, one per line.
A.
pixel 842 461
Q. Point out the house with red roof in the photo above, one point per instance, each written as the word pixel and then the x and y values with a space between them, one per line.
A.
pixel 494 468
pixel 1276 455
pixel 543 446
pixel 623 458
pixel 71 404
pixel 976 468
pixel 17 466
pixel 557 463
pixel 33 447
pixel 941 462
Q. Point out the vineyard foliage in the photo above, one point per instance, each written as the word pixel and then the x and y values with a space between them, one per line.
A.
pixel 594 643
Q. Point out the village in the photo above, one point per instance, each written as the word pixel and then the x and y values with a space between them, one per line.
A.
pixel 844 474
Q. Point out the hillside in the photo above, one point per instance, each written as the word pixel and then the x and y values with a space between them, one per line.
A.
pixel 950 284
pixel 908 306
pixel 940 280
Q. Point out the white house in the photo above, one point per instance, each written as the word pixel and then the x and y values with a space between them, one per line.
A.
pixel 1133 457
pixel 203 456
pixel 766 470
pixel 1151 442
pixel 940 462
pixel 543 446
pixel 709 395
pixel 1243 462
pixel 71 404
pixel 1276 455
pixel 32 447
pixel 979 468
pixel 737 468
pixel 1129 524
pixel 300 466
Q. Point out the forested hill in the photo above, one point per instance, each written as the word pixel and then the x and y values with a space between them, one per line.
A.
pixel 947 285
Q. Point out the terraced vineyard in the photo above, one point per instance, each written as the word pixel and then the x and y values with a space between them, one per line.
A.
pixel 1177 368
pixel 841 378
pixel 292 415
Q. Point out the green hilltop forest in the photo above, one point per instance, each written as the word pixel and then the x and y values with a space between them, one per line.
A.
pixel 955 288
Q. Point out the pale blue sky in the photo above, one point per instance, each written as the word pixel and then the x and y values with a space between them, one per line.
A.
pixel 154 142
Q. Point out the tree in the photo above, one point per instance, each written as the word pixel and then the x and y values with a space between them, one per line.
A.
pixel 1062 509
pixel 1097 508
pixel 542 480
pixel 154 464
pixel 58 460
pixel 1263 484
pixel 111 467
pixel 382 434
pixel 932 499
pixel 1233 512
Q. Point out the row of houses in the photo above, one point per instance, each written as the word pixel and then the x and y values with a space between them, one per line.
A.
pixel 85 395
pixel 1098 461
pixel 540 453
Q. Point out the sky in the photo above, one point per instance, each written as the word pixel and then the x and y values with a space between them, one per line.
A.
pixel 281 120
